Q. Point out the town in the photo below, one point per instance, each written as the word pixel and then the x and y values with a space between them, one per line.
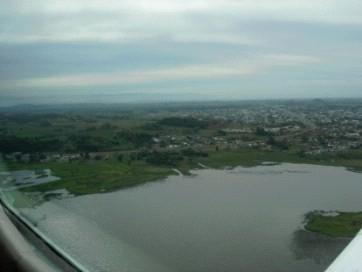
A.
pixel 308 128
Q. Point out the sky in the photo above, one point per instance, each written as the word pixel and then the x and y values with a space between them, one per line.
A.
pixel 58 51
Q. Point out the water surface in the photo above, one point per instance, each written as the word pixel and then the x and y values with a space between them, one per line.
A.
pixel 245 219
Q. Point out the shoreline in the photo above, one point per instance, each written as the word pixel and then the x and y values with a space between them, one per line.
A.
pixel 87 177
pixel 83 183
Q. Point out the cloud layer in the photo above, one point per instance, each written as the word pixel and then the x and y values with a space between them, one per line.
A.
pixel 260 47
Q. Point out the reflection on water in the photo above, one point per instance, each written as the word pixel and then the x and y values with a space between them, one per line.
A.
pixel 243 219
pixel 319 248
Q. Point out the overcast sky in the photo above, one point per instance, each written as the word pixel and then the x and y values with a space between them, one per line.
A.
pixel 111 50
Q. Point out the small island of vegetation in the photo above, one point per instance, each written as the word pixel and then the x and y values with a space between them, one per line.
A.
pixel 334 224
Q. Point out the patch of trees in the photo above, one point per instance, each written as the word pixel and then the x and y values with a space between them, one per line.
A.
pixel 135 138
pixel 21 118
pixel 165 158
pixel 261 132
pixel 283 145
pixel 107 126
pixel 152 126
pixel 186 122
pixel 189 152
pixel 12 143
pixel 86 143
pixel 161 158
pixel 45 123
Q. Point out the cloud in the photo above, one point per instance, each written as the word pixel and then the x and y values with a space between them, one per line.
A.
pixel 188 72
pixel 225 38
pixel 180 20
pixel 132 77
pixel 197 44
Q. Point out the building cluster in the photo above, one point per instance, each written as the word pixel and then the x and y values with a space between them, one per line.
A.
pixel 314 128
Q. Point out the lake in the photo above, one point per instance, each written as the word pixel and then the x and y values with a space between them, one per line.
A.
pixel 243 219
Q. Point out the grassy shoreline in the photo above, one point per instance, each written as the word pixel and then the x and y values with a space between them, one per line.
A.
pixel 87 177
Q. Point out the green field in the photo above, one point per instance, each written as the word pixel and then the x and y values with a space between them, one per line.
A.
pixel 87 177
